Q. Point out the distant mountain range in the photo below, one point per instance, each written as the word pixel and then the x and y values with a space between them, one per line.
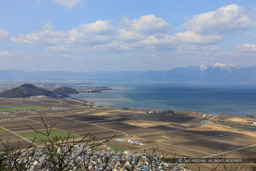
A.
pixel 215 73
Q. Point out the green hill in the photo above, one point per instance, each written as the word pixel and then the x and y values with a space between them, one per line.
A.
pixel 28 90
pixel 25 90
pixel 63 92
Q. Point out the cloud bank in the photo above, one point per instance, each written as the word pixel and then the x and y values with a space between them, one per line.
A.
pixel 3 34
pixel 146 42
pixel 223 20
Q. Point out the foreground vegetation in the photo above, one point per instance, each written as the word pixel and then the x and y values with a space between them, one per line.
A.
pixel 20 108
pixel 115 147
pixel 252 149
pixel 2 129
pixel 61 150
pixel 56 149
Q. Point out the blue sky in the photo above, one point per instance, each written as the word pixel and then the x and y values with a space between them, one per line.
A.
pixel 114 35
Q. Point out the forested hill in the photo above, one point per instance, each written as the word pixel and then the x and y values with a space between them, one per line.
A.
pixel 28 90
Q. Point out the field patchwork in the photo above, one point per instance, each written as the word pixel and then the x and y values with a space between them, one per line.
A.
pixel 2 129
pixel 19 108
pixel 41 137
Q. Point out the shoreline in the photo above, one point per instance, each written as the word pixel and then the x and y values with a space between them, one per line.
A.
pixel 207 100
pixel 162 109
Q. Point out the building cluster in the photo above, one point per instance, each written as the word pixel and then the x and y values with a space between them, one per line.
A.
pixel 134 142
pixel 80 159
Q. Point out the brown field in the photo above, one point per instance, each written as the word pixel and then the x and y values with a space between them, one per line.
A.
pixel 224 128
pixel 13 140
pixel 175 134
pixel 20 125
pixel 240 120
pixel 145 123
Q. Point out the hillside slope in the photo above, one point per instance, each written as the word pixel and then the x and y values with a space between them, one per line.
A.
pixel 28 90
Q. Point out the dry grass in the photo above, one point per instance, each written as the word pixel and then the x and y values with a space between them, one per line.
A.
pixel 240 120
pixel 225 128
pixel 101 114
pixel 145 123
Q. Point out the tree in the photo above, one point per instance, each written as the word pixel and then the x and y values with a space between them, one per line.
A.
pixel 57 151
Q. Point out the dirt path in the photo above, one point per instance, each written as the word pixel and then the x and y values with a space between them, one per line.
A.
pixel 17 135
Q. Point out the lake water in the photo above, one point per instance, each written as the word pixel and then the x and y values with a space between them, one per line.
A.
pixel 231 99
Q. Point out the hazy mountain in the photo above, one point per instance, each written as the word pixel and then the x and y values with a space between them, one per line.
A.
pixel 28 90
pixel 63 92
pixel 205 73
pixel 25 90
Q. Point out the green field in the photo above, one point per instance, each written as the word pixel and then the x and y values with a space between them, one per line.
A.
pixel 252 149
pixel 115 147
pixel 2 129
pixel 39 137
pixel 17 108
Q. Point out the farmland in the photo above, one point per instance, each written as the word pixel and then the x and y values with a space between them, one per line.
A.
pixel 175 134
pixel 41 137
pixel 2 130
pixel 19 108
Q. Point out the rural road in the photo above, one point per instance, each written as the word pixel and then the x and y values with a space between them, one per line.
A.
pixel 17 135
pixel 229 151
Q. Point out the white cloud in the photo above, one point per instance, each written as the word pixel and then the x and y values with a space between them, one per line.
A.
pixel 116 45
pixel 250 35
pixel 147 23
pixel 57 48
pixel 223 20
pixel 93 33
pixel 181 38
pixel 245 48
pixel 146 36
pixel 99 31
pixel 96 27
pixel 44 36
pixel 3 35
pixel 192 37
pixel 127 35
pixel 48 26
pixel 69 3
pixel 5 53
pixel 102 33
pixel 242 55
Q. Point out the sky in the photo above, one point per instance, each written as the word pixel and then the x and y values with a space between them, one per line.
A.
pixel 125 35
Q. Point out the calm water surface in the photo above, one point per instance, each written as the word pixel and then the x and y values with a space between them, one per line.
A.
pixel 232 99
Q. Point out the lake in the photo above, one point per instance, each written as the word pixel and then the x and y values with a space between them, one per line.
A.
pixel 206 98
